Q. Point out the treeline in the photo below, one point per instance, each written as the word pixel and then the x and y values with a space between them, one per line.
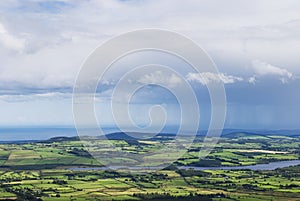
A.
pixel 80 153
pixel 191 173
pixel 207 163
pixel 169 197
pixel 25 194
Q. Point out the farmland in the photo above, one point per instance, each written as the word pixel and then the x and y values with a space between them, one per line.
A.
pixel 50 170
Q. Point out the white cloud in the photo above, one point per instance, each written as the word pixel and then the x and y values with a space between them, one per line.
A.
pixel 158 77
pixel 252 80
pixel 265 69
pixel 40 48
pixel 10 41
pixel 54 44
pixel 34 97
pixel 208 77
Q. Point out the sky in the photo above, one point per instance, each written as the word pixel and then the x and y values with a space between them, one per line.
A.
pixel 255 45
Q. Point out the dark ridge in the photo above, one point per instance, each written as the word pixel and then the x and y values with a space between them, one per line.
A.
pixel 133 136
pixel 117 136
pixel 136 136
pixel 241 134
pixel 60 139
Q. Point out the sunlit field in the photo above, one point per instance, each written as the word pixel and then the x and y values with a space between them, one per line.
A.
pixel 62 169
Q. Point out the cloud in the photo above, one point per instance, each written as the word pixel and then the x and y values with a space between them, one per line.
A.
pixel 10 41
pixel 53 38
pixel 208 77
pixel 42 46
pixel 158 77
pixel 265 69
pixel 34 97
pixel 252 80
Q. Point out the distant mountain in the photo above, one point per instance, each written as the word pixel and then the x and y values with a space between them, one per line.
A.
pixel 61 139
pixel 137 136
pixel 119 136
pixel 134 136
pixel 166 136
pixel 282 132
pixel 243 135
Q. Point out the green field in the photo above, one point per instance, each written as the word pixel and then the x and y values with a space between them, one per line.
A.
pixel 45 171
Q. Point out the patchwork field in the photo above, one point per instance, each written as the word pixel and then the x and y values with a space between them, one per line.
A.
pixel 62 169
